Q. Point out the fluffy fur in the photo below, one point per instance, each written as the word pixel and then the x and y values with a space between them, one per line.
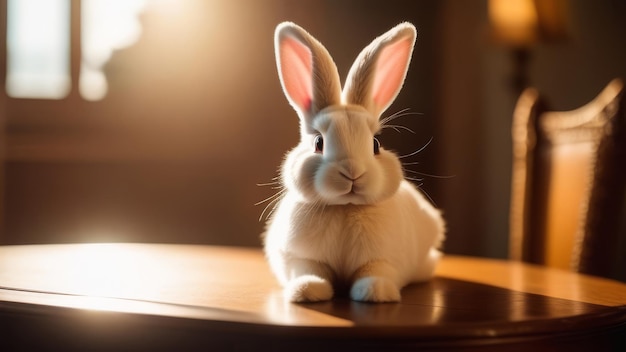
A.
pixel 347 219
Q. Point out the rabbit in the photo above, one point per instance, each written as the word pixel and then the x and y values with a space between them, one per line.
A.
pixel 346 218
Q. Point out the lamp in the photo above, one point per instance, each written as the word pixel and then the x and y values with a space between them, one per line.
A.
pixel 520 24
pixel 514 22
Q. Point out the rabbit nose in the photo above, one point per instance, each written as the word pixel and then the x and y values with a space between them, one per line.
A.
pixel 349 176
pixel 351 170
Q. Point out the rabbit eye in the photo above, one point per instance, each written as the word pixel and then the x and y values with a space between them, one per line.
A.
pixel 376 146
pixel 319 144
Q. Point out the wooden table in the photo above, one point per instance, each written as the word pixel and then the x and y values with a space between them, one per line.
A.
pixel 182 297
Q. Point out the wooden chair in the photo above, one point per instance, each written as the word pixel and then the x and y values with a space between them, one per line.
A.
pixel 568 183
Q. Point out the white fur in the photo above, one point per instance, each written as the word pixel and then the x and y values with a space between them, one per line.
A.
pixel 347 219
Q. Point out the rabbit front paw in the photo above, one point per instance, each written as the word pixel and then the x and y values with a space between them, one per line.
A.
pixel 308 288
pixel 374 289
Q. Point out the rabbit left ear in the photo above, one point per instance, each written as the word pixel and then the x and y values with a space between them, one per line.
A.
pixel 380 69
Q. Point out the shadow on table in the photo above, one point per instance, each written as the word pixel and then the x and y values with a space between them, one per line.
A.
pixel 458 314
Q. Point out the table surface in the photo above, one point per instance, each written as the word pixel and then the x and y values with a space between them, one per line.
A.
pixel 231 290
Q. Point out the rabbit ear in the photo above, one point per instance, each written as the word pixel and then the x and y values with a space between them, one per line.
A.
pixel 307 72
pixel 379 71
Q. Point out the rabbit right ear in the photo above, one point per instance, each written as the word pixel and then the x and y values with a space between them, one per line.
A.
pixel 307 73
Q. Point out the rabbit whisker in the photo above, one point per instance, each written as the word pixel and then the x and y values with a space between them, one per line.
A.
pixel 393 116
pixel 275 195
pixel 269 215
pixel 273 201
pixel 429 175
pixel 268 184
pixel 426 194
pixel 403 112
pixel 416 179
pixel 398 128
pixel 417 151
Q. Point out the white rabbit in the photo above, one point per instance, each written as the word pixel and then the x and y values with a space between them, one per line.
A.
pixel 347 218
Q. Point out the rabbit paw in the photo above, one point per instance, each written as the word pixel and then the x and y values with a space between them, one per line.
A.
pixel 308 288
pixel 374 289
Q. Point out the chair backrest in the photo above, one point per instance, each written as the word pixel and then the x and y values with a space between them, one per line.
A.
pixel 568 182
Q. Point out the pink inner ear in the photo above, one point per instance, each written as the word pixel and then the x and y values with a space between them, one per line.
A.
pixel 296 64
pixel 390 72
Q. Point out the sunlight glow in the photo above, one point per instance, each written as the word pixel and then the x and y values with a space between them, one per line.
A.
pixel 112 270
pixel 107 25
pixel 38 49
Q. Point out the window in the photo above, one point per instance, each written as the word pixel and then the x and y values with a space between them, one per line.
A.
pixel 38 45
pixel 38 49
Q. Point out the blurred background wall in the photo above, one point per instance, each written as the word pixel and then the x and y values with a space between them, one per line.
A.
pixel 194 118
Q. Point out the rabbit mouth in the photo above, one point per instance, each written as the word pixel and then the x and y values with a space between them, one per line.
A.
pixel 350 194
pixel 355 195
pixel 352 188
pixel 355 189
pixel 340 189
